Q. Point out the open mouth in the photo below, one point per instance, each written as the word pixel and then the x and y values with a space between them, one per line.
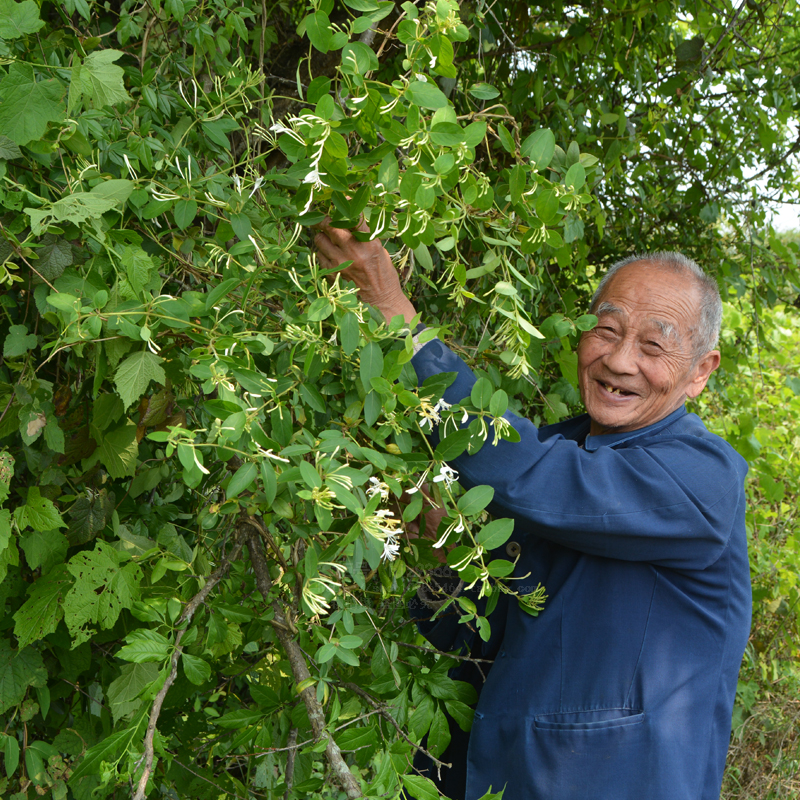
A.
pixel 615 390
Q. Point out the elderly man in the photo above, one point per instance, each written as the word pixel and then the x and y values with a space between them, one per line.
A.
pixel 632 516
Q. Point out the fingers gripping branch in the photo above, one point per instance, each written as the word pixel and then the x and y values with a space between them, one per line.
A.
pixel 371 270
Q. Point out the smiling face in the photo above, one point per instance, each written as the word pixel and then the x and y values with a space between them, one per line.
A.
pixel 637 366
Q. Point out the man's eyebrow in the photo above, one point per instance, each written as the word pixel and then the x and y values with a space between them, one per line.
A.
pixel 608 308
pixel 667 329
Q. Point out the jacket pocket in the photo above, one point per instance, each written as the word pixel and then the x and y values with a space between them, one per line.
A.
pixel 594 720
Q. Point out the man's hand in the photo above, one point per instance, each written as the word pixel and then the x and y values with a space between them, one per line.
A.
pixel 372 270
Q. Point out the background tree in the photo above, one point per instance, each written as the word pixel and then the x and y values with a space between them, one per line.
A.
pixel 204 572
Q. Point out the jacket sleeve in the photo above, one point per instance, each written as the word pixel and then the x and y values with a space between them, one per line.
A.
pixel 672 502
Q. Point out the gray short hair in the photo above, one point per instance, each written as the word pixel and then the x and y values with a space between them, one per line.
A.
pixel 705 334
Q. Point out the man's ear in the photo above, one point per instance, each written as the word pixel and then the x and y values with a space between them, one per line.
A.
pixel 701 372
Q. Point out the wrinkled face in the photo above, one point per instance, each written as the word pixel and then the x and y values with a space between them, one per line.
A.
pixel 636 366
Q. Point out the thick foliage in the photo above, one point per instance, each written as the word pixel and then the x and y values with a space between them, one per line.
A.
pixel 205 584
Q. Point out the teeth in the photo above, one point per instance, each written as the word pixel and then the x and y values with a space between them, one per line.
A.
pixel 611 389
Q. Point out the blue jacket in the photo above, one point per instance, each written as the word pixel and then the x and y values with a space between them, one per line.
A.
pixel 623 687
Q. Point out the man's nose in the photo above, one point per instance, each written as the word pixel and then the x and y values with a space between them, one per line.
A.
pixel 622 358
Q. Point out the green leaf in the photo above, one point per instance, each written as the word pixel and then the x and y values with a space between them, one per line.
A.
pixel 109 747
pixel 371 364
pixel 6 474
pixel 40 614
pixel 18 341
pixel 506 139
pixel 118 451
pixel 44 549
pixel 500 568
pixel 481 393
pixel 139 267
pixel 453 445
pixel 239 718
pixel 10 752
pixel 55 255
pixel 439 734
pixel 355 738
pixel 539 148
pixel 426 95
pixel 576 176
pixel 484 91
pixel 319 309
pixel 586 322
pixel 134 374
pixel 350 333
pixel 89 515
pixel 318 28
pixel 689 52
pixel 184 213
pixel 546 205
pixel 80 206
pixel 358 59
pixel 38 512
pixel 461 713
pixel 28 105
pixel 495 533
pixel 310 475
pixel 221 290
pixel 18 19
pixel 421 788
pixel 102 589
pixel 8 150
pixel 498 405
pixel 516 183
pixel 217 131
pixel 143 646
pixel 197 670
pixel 19 669
pixel 241 479
pixel 124 691
pixel 97 82
pixel 475 500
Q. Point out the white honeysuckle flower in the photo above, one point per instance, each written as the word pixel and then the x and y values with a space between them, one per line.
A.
pixel 382 525
pixel 447 475
pixel 214 202
pixel 163 196
pixel 442 405
pixel 377 487
pixel 391 549
pixel 457 525
pixel 180 89
pixel 429 414
pixel 269 454
pixel 315 177
pixel 237 182
pixel 256 185
pixel 131 170
pixel 464 416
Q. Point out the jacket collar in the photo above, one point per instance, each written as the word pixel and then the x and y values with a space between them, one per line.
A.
pixel 593 443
